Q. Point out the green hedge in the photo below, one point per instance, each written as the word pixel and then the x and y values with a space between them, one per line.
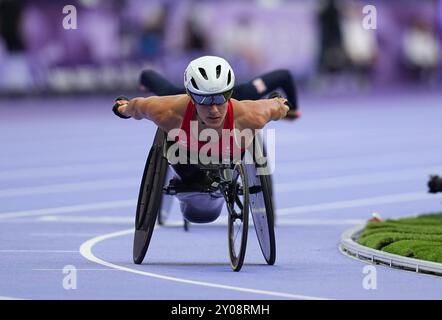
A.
pixel 419 237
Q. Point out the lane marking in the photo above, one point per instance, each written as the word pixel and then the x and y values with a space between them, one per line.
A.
pixel 318 222
pixel 130 203
pixel 89 219
pixel 222 221
pixel 358 179
pixel 363 202
pixel 86 252
pixel 47 234
pixel 10 298
pixel 79 269
pixel 361 162
pixel 303 185
pixel 37 251
pixel 69 170
pixel 107 184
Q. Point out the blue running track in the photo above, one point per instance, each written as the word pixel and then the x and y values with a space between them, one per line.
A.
pixel 70 173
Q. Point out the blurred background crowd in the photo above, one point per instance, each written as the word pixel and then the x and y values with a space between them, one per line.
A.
pixel 321 42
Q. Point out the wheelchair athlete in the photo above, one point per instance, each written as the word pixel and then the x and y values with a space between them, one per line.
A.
pixel 255 89
pixel 209 83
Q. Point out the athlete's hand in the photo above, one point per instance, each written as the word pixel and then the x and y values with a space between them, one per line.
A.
pixel 291 114
pixel 284 104
pixel 283 107
pixel 120 107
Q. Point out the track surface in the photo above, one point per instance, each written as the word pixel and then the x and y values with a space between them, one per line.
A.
pixel 69 177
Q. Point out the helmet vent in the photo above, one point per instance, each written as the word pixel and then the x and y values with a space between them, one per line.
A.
pixel 194 84
pixel 229 78
pixel 218 71
pixel 203 73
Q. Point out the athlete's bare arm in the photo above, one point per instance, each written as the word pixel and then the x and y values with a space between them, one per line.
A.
pixel 166 112
pixel 251 114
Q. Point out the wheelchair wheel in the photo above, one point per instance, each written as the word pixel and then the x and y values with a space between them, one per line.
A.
pixel 149 199
pixel 238 216
pixel 164 213
pixel 261 202
pixel 259 144
pixel 262 209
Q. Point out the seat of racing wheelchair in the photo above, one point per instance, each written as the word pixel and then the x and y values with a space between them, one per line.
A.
pixel 176 185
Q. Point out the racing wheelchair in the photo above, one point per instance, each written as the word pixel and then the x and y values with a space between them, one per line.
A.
pixel 243 189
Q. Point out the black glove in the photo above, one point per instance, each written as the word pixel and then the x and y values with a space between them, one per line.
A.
pixel 116 105
pixel 276 94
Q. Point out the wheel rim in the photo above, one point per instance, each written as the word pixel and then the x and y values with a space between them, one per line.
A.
pixel 262 213
pixel 149 201
pixel 238 207
pixel 164 214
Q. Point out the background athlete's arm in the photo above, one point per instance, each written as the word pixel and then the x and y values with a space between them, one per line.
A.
pixel 154 82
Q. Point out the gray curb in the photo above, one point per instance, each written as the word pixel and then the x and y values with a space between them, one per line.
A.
pixel 350 247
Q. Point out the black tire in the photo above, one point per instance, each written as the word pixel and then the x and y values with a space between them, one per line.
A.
pixel 162 214
pixel 149 199
pixel 262 211
pixel 262 206
pixel 237 250
pixel 259 143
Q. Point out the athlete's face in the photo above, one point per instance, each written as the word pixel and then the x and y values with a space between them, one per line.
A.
pixel 213 116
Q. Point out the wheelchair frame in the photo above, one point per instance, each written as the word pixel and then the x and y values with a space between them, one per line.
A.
pixel 255 190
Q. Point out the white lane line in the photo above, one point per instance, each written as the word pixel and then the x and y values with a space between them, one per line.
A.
pixel 130 203
pixel 69 170
pixel 318 222
pixel 10 298
pixel 369 161
pixel 304 185
pixel 42 234
pixel 355 203
pixel 79 269
pixel 107 184
pixel 37 251
pixel 222 221
pixel 129 165
pixel 86 251
pixel 358 179
pixel 89 219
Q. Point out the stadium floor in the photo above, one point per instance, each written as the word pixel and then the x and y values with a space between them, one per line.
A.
pixel 69 178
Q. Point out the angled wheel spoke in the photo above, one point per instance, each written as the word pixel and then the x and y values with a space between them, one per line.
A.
pixel 237 232
pixel 239 203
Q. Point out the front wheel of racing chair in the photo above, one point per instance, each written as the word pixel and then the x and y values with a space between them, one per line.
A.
pixel 237 202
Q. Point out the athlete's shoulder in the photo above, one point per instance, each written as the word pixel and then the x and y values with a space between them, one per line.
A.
pixel 248 114
pixel 169 110
pixel 175 101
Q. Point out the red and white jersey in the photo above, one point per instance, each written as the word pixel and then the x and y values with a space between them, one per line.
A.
pixel 226 149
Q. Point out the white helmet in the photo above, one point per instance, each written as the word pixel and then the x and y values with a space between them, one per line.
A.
pixel 209 75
